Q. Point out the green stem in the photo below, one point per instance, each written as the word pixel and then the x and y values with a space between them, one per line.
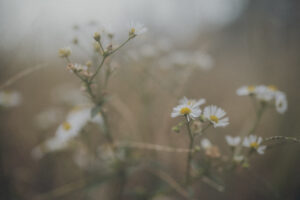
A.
pixel 258 118
pixel 113 51
pixel 97 70
pixel 190 154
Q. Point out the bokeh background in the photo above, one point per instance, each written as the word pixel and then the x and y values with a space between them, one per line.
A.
pixel 248 42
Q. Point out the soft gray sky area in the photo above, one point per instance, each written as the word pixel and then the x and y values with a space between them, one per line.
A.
pixel 48 23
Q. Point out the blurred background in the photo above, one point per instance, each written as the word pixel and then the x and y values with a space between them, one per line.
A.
pixel 198 48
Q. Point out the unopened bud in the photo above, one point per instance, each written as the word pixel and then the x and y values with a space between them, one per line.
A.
pixel 97 36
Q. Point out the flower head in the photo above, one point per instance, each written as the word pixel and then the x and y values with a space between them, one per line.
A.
pixel 76 120
pixel 216 115
pixel 192 102
pixel 246 90
pixel 10 99
pixel 232 141
pixel 64 52
pixel 266 94
pixel 281 102
pixel 188 110
pixel 210 150
pixel 136 29
pixel 254 142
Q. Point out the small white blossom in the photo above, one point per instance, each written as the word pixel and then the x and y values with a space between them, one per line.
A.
pixel 192 102
pixel 10 99
pixel 246 90
pixel 232 141
pixel 70 128
pixel 281 102
pixel 265 93
pixel 210 149
pixel 190 111
pixel 205 143
pixel 215 115
pixel 136 29
pixel 238 158
pixel 254 142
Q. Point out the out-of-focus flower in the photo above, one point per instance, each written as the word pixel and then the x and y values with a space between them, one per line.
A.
pixel 281 102
pixel 64 52
pixel 266 94
pixel 70 128
pixel 210 150
pixel 205 143
pixel 192 102
pixel 215 115
pixel 246 90
pixel 238 158
pixel 97 36
pixel 188 110
pixel 78 68
pixel 10 98
pixel 136 29
pixel 254 142
pixel 232 141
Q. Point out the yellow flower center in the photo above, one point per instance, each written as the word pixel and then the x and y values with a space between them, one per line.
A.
pixel 251 88
pixel 254 145
pixel 272 87
pixel 66 126
pixel 214 118
pixel 185 111
pixel 132 31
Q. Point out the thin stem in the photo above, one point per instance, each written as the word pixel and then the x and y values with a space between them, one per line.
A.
pixel 258 118
pixel 97 70
pixel 106 129
pixel 259 113
pixel 113 51
pixel 190 154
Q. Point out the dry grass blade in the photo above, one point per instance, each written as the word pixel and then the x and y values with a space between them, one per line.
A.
pixel 154 147
pixel 21 74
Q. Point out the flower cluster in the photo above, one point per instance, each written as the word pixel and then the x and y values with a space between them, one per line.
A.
pixel 190 108
pixel 266 94
pixel 252 141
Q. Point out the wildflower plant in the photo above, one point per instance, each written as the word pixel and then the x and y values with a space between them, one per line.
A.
pixel 118 160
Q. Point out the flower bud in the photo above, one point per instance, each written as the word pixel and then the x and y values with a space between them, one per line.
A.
pixel 97 36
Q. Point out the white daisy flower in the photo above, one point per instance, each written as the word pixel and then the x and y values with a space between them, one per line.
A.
pixel 281 102
pixel 246 90
pixel 232 141
pixel 216 116
pixel 10 99
pixel 253 141
pixel 70 128
pixel 265 93
pixel 192 102
pixel 190 111
pixel 136 29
